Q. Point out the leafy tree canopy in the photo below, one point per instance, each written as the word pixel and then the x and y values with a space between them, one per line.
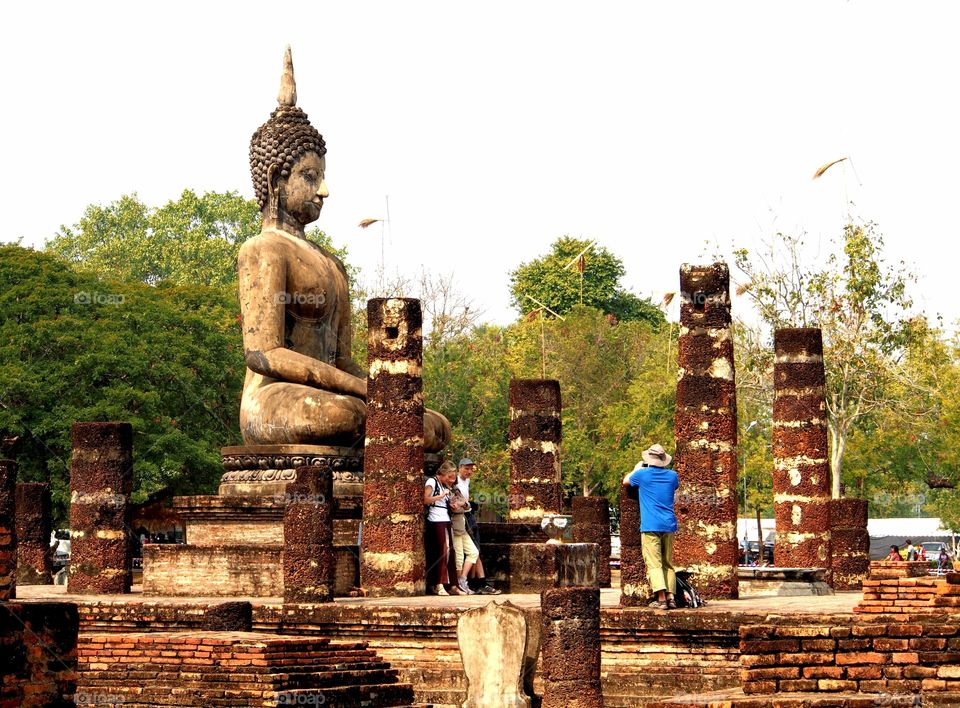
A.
pixel 74 346
pixel 556 283
pixel 193 240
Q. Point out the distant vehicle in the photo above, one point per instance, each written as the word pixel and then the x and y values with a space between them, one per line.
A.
pixel 60 544
pixel 932 549
pixel 615 550
pixel 767 551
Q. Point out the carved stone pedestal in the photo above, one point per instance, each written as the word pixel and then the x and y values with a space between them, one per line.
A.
pixel 264 470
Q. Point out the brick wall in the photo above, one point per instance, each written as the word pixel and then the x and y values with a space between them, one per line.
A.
pixel 229 571
pixel 902 655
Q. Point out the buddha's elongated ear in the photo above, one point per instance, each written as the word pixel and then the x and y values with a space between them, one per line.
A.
pixel 273 196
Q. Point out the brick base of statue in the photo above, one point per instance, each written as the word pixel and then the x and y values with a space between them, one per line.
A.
pixel 34 561
pixel 309 566
pixel 101 479
pixel 570 643
pixel 8 531
pixel 591 524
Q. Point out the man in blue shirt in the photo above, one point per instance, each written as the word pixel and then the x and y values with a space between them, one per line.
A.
pixel 656 484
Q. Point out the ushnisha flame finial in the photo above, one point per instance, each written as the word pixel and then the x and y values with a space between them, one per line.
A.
pixel 288 85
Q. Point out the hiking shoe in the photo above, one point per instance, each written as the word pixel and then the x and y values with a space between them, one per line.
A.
pixel 488 590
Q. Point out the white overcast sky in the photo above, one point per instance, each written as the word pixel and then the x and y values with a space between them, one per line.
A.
pixel 496 127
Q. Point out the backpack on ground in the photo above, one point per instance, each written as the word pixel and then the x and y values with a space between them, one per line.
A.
pixel 686 595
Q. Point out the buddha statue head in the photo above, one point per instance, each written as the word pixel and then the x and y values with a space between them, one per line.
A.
pixel 287 160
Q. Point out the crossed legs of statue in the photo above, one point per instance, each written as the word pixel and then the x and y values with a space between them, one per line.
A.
pixel 283 413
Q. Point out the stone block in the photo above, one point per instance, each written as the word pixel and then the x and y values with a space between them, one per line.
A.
pixel 33 522
pixel 493 648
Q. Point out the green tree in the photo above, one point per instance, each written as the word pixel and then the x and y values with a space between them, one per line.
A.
pixel 555 280
pixel 193 240
pixel 76 347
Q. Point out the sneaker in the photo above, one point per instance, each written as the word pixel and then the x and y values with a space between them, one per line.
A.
pixel 462 584
pixel 440 590
pixel 488 590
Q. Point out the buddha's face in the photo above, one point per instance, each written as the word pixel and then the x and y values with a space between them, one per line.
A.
pixel 305 189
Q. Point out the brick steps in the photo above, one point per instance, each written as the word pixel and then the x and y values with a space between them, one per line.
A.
pixel 232 669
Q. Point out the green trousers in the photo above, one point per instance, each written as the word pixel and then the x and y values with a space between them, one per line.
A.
pixel 658 557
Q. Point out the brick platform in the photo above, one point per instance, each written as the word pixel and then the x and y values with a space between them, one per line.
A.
pixel 232 669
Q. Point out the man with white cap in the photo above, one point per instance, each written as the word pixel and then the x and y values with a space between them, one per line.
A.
pixel 657 484
pixel 465 470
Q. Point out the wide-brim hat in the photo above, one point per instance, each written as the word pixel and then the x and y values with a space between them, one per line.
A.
pixel 656 456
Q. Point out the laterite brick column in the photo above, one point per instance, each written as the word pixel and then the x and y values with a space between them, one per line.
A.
pixel 570 644
pixel 534 433
pixel 392 559
pixel 634 586
pixel 34 564
pixel 8 530
pixel 591 524
pixel 801 468
pixel 705 426
pixel 309 567
pixel 101 479
pixel 849 543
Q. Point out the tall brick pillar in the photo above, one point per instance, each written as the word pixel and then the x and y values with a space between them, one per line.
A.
pixel 392 558
pixel 705 426
pixel 101 479
pixel 8 530
pixel 534 433
pixel 591 524
pixel 570 641
pixel 801 468
pixel 309 566
pixel 634 586
pixel 849 543
pixel 34 564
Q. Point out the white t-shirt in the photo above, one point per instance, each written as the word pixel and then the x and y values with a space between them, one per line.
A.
pixel 438 511
pixel 464 486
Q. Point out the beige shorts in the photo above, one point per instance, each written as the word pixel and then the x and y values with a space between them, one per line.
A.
pixel 464 549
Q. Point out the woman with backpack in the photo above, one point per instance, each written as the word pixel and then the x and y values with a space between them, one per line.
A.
pixel 438 544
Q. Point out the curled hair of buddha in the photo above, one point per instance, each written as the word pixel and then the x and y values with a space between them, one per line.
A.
pixel 283 139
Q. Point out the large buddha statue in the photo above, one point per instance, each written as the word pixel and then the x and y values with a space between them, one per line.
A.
pixel 301 387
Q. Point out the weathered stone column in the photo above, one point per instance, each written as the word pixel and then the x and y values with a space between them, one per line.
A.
pixel 8 530
pixel 706 431
pixel 591 524
pixel 849 543
pixel 534 433
pixel 34 564
pixel 801 468
pixel 570 654
pixel 634 585
pixel 309 566
pixel 392 559
pixel 101 479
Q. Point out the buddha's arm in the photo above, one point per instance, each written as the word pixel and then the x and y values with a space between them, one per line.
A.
pixel 345 347
pixel 262 276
